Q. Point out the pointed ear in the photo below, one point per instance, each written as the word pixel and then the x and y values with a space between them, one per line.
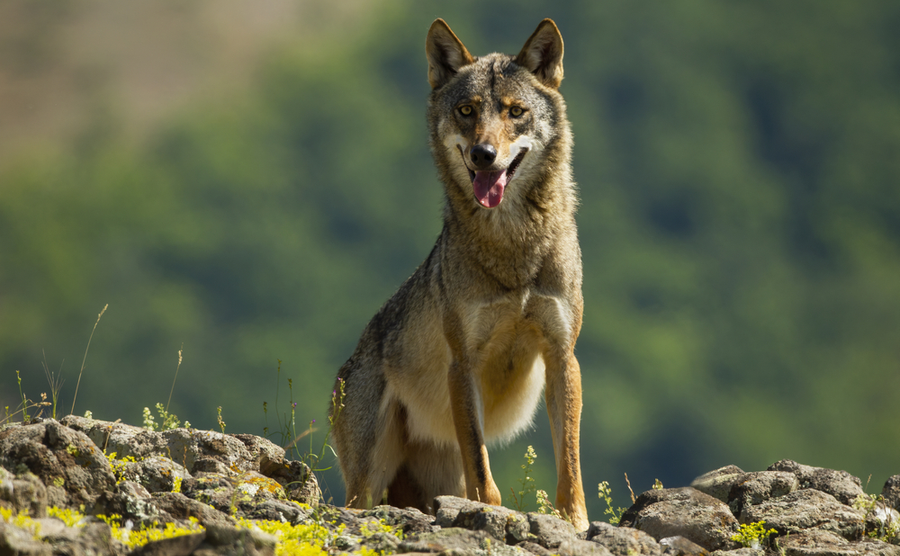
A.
pixel 445 53
pixel 542 54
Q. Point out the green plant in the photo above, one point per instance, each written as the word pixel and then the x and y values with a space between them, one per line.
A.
pixel 91 337
pixel 56 383
pixel 526 482
pixel 887 525
pixel 168 420
pixel 219 419
pixel 119 465
pixel 605 494
pixel 752 535
pixel 545 506
pixel 24 405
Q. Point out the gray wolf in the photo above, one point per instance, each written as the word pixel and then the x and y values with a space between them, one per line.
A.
pixel 459 356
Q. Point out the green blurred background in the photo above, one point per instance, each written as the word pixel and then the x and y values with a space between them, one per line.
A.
pixel 251 180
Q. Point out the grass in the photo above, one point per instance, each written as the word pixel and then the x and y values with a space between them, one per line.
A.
pixel 887 527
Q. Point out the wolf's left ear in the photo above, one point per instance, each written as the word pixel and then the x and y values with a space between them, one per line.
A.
pixel 445 53
pixel 542 54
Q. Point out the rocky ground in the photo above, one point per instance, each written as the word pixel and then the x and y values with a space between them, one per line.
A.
pixel 184 491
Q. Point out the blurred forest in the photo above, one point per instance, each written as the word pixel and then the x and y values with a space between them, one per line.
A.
pixel 251 181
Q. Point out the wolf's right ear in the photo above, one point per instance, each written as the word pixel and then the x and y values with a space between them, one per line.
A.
pixel 445 53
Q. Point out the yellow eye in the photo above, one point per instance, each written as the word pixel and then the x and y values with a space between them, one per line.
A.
pixel 516 111
pixel 465 110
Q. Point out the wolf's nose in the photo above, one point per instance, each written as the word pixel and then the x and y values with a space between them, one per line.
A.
pixel 483 155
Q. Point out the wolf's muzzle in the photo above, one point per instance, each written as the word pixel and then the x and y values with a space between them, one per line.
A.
pixel 483 155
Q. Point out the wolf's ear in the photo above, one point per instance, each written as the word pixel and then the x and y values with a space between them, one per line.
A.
pixel 542 54
pixel 445 53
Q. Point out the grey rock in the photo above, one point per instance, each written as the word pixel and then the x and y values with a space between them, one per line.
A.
pixel 124 440
pixel 578 547
pixel 236 540
pixel 24 493
pixel 492 520
pixel 158 473
pixel 549 531
pixel 680 546
pixel 178 507
pixel 446 508
pixel 739 552
pixel 183 545
pixel 754 488
pixel 208 451
pixel 451 539
pixel 623 541
pixel 58 456
pixel 129 500
pixel 840 484
pixel 891 492
pixel 534 548
pixel 410 520
pixel 816 542
pixel 14 540
pixel 718 483
pixel 685 512
pixel 808 509
pixel 295 477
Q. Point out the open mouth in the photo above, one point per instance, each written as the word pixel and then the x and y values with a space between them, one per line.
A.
pixel 489 186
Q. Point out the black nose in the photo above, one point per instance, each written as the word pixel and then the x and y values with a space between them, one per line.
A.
pixel 483 155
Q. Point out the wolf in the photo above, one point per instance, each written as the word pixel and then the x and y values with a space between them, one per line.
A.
pixel 459 356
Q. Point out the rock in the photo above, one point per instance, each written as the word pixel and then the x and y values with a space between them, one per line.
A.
pixel 680 546
pixel 816 542
pixel 174 546
pixel 751 489
pixel 807 509
pixel 124 440
pixel 232 540
pixel 229 483
pixel 24 493
pixel 410 520
pixel 454 540
pixel 623 541
pixel 129 500
pixel 840 484
pixel 156 473
pixel 549 531
pixel 18 541
pixel 891 492
pixel 178 507
pixel 446 508
pixel 493 520
pixel 718 483
pixel 578 547
pixel 684 512
pixel 58 456
pixel 739 552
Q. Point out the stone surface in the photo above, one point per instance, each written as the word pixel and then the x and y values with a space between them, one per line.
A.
pixel 891 491
pixel 225 482
pixel 751 489
pixel 840 484
pixel 718 483
pixel 824 543
pixel 808 509
pixel 623 541
pixel 684 512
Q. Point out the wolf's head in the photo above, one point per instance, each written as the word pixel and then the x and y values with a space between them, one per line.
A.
pixel 496 121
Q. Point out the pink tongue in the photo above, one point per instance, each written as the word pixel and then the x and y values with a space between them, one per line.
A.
pixel 488 187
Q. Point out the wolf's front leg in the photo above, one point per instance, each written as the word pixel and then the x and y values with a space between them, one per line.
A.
pixel 563 395
pixel 465 403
